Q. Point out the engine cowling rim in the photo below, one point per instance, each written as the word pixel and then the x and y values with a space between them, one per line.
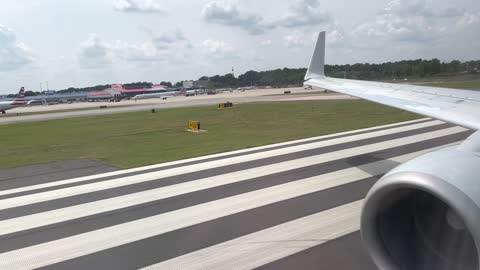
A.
pixel 433 185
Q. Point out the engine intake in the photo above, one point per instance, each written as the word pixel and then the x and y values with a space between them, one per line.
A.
pixel 425 214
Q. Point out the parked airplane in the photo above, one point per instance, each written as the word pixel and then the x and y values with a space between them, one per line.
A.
pixel 425 214
pixel 162 95
pixel 11 104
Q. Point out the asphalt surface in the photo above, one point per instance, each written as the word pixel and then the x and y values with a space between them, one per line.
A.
pixel 293 205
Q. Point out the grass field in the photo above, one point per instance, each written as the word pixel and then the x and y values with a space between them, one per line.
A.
pixel 141 138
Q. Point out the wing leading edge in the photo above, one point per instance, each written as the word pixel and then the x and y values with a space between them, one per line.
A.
pixel 460 107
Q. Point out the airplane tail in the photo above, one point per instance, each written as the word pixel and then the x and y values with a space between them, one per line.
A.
pixel 182 92
pixel 317 63
pixel 20 100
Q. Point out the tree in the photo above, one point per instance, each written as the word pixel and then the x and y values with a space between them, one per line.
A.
pixel 178 84
pixel 167 84
pixel 30 93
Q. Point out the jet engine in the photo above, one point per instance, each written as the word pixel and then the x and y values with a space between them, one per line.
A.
pixel 425 214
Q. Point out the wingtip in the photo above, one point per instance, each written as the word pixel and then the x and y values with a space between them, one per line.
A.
pixel 317 62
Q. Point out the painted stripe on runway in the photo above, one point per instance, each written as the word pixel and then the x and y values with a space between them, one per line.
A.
pixel 271 244
pixel 291 175
pixel 236 176
pixel 111 237
pixel 228 160
pixel 344 253
pixel 83 210
pixel 166 246
pixel 78 226
pixel 83 244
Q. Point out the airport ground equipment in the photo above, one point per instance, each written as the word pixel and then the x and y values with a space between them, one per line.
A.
pixel 194 126
pixel 225 105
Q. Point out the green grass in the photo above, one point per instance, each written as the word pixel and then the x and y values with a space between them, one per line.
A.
pixel 141 138
pixel 473 84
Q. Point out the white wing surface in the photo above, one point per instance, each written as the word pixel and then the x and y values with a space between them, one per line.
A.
pixel 460 107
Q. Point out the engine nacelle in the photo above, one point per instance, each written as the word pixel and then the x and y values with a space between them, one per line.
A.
pixel 425 214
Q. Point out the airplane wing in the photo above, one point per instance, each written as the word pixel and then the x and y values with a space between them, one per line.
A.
pixel 460 107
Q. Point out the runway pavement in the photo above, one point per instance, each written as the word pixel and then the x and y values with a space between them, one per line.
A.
pixel 293 205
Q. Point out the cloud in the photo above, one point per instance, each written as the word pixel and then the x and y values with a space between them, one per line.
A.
pixel 335 36
pixel 294 40
pixel 94 53
pixel 13 54
pixel 409 29
pixel 166 40
pixel 138 6
pixel 469 19
pixel 305 13
pixel 266 43
pixel 172 47
pixel 217 46
pixel 408 21
pixel 144 52
pixel 302 13
pixel 228 13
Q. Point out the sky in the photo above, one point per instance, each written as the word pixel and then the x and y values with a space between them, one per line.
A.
pixel 83 43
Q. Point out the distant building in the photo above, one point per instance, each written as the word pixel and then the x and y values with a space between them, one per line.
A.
pixel 201 84
pixel 196 84
pixel 49 92
pixel 187 84
pixel 117 91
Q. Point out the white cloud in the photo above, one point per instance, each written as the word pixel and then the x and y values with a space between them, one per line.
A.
pixel 266 43
pixel 140 52
pixel 217 46
pixel 294 40
pixel 305 13
pixel 410 21
pixel 94 53
pixel 469 19
pixel 166 40
pixel 335 36
pixel 172 47
pixel 138 5
pixel 415 21
pixel 13 54
pixel 229 14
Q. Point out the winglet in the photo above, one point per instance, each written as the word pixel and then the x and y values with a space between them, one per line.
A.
pixel 317 63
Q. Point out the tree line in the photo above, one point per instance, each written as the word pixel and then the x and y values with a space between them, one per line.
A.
pixel 418 68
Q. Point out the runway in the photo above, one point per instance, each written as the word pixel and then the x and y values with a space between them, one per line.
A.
pixel 292 205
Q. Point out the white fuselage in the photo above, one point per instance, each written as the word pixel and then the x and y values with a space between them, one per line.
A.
pixel 7 105
pixel 155 95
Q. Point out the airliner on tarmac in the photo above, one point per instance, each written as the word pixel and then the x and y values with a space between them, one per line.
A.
pixel 11 104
